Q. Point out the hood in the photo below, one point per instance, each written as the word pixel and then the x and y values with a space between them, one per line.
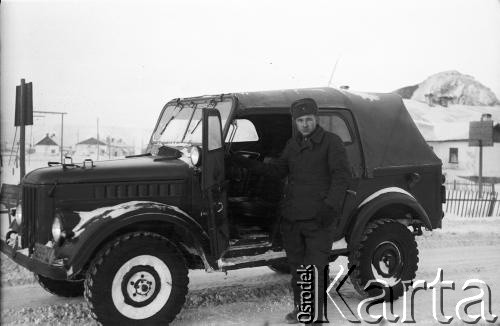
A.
pixel 129 169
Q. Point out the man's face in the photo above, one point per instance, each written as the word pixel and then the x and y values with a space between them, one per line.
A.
pixel 306 124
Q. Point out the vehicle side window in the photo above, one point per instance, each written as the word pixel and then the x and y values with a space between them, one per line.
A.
pixel 214 133
pixel 335 124
pixel 245 132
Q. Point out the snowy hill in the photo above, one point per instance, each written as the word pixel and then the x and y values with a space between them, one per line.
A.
pixel 450 87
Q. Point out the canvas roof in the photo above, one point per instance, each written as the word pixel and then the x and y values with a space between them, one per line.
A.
pixel 389 136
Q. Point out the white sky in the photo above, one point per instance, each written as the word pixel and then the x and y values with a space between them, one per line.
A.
pixel 122 61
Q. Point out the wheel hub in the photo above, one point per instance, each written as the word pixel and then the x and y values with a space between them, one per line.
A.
pixel 387 260
pixel 140 285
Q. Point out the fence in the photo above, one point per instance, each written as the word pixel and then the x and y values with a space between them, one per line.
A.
pixel 469 203
pixel 469 185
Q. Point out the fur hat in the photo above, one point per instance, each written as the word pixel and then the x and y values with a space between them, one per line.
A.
pixel 302 107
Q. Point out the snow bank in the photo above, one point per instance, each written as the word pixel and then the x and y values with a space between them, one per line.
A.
pixel 447 123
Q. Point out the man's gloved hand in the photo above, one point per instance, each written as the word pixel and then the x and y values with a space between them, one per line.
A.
pixel 326 214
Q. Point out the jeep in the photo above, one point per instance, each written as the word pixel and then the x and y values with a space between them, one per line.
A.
pixel 125 232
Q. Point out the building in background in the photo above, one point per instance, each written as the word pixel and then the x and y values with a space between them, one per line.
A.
pixel 461 160
pixel 116 147
pixel 91 148
pixel 446 130
pixel 47 147
pixel 109 149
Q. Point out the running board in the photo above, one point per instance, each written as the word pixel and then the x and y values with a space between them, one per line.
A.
pixel 263 259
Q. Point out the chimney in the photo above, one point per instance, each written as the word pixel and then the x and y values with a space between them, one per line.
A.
pixel 486 117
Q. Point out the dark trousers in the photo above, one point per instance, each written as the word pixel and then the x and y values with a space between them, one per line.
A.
pixel 307 243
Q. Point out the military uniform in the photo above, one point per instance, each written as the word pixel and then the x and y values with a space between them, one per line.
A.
pixel 318 176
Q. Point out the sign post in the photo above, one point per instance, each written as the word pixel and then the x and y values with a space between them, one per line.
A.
pixel 481 134
pixel 23 117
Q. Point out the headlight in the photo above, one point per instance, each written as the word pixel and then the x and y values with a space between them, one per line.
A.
pixel 57 229
pixel 195 156
pixel 19 214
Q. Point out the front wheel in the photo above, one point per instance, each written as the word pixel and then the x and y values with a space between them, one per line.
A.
pixel 386 252
pixel 139 278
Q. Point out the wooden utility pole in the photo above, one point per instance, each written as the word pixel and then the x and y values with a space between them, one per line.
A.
pixel 480 168
pixel 480 135
pixel 62 137
pixel 22 136
pixel 97 139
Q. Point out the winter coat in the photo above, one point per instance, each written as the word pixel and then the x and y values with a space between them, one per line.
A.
pixel 318 174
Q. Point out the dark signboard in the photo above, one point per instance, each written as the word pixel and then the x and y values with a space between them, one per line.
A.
pixel 24 104
pixel 481 131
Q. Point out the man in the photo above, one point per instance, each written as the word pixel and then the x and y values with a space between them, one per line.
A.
pixel 316 164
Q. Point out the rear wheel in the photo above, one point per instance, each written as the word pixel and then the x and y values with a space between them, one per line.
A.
pixel 140 278
pixel 387 252
pixel 61 288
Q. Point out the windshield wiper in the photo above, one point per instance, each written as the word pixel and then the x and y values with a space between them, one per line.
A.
pixel 138 155
pixel 197 124
pixel 190 118
pixel 171 118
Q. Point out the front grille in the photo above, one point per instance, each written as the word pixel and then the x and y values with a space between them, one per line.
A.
pixel 29 216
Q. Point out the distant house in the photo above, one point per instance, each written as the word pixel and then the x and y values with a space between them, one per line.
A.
pixel 116 147
pixel 443 100
pixel 460 159
pixel 91 148
pixel 47 146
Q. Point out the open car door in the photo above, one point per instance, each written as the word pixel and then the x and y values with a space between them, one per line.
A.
pixel 213 181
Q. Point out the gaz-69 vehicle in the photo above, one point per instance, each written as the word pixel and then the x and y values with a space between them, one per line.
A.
pixel 125 232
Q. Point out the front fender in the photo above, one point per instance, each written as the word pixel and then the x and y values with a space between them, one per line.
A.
pixel 99 226
pixel 366 212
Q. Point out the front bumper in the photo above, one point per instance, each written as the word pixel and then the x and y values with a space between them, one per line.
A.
pixel 36 263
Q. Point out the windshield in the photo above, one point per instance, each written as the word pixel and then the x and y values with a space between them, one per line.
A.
pixel 181 123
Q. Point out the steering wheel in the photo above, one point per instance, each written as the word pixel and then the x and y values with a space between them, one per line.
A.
pixel 240 174
pixel 248 154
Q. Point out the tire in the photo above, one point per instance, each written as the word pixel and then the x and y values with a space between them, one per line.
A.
pixel 387 251
pixel 139 278
pixel 68 289
pixel 280 268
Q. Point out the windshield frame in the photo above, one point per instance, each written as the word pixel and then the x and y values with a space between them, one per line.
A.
pixel 198 103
